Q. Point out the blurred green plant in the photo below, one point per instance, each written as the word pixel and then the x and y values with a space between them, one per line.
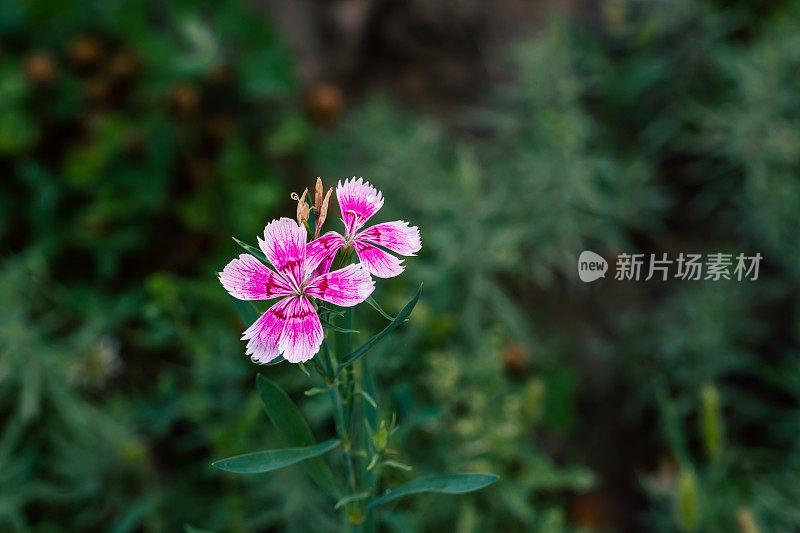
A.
pixel 135 137
pixel 669 129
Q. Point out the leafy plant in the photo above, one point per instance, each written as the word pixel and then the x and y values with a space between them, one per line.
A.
pixel 335 291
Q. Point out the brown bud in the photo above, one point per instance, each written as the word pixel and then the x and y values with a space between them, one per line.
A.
pixel 219 127
pixel 124 65
pixel 40 68
pixel 318 190
pixel 185 99
pixel 515 360
pixel 325 102
pixel 322 213
pixel 303 209
pixel 96 90
pixel 85 52
pixel 589 510
pixel 221 75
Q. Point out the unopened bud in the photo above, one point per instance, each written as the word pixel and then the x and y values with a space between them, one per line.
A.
pixel 711 421
pixel 533 401
pixel 318 190
pixel 303 210
pixel 686 501
pixel 746 520
pixel 322 213
pixel 381 437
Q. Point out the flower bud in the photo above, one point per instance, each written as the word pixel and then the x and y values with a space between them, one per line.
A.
pixel 533 401
pixel 185 100
pixel 381 438
pixel 746 520
pixel 711 421
pixel 318 190
pixel 322 213
pixel 303 210
pixel 40 69
pixel 686 508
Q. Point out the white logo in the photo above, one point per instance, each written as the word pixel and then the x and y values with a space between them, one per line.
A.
pixel 591 266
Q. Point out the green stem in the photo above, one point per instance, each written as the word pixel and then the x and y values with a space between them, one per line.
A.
pixel 344 392
pixel 370 420
pixel 350 376
pixel 326 370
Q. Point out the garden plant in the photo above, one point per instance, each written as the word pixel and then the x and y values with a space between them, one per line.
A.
pixel 318 284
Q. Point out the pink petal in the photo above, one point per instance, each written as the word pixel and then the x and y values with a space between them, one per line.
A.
pixel 358 201
pixel 346 287
pixel 377 261
pixel 320 252
pixel 302 334
pixel 284 244
pixel 247 278
pixel 397 236
pixel 265 333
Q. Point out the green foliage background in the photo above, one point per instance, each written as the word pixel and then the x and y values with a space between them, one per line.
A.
pixel 137 137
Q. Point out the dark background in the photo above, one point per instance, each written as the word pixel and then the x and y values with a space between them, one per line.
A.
pixel 137 137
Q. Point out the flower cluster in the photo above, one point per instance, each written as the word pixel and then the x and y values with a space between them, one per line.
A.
pixel 301 271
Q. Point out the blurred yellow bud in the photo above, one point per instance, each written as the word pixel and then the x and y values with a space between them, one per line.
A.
pixel 686 507
pixel 711 421
pixel 746 521
pixel 381 437
pixel 533 401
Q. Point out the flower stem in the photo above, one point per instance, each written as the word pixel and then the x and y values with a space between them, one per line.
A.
pixel 349 418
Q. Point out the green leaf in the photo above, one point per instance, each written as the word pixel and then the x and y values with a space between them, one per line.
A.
pixel 444 483
pixel 191 529
pixel 246 311
pixel 375 305
pixel 294 431
pixel 253 251
pixel 397 465
pixel 352 498
pixel 328 325
pixel 249 314
pixel 401 317
pixel 269 460
pixel 327 311
pixel 367 396
pixel 275 361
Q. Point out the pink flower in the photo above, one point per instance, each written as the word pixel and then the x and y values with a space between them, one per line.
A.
pixel 358 201
pixel 290 327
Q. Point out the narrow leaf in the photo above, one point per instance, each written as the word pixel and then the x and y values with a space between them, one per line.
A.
pixel 249 314
pixel 397 465
pixel 352 498
pixel 367 396
pixel 444 483
pixel 275 361
pixel 401 317
pixel 253 251
pixel 191 529
pixel 325 310
pixel 246 311
pixel 294 430
pixel 375 305
pixel 328 325
pixel 266 461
